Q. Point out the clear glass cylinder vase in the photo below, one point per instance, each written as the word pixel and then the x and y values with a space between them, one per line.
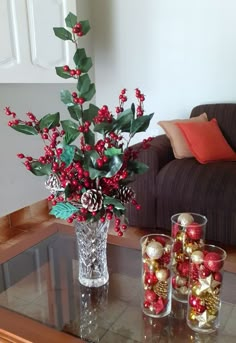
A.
pixel 92 253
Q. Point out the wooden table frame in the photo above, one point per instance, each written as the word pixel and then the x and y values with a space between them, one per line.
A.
pixel 16 328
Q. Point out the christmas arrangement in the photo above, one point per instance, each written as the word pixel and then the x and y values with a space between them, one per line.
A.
pixel 87 159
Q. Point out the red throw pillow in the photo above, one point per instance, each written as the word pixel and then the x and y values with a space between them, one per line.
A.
pixel 206 141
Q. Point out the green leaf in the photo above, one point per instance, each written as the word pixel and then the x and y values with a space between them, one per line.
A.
pixel 89 137
pixel 26 129
pixel 62 73
pixel 91 157
pixel 75 112
pixel 71 20
pixel 62 33
pixel 85 26
pixel 83 84
pixel 49 121
pixel 68 190
pixel 40 169
pixel 90 93
pixel 68 125
pixel 63 210
pixel 67 98
pixel 71 136
pixel 124 120
pixel 94 173
pixel 112 201
pixel 104 127
pixel 79 55
pixel 68 154
pixel 79 156
pixel 140 124
pixel 90 113
pixel 85 64
pixel 113 151
pixel 137 167
pixel 115 163
pixel 71 130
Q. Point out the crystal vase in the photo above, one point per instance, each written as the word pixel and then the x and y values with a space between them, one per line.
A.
pixel 92 253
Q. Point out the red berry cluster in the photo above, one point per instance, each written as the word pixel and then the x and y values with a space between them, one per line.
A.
pixel 122 100
pixel 73 72
pixel 141 98
pixel 104 115
pixel 78 30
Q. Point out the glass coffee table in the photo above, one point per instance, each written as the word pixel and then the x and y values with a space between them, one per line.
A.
pixel 42 301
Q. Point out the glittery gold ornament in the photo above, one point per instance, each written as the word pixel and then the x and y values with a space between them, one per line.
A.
pixel 180 257
pixel 185 219
pixel 190 247
pixel 212 303
pixel 154 250
pixel 181 236
pixel 161 289
pixel 192 315
pixel 197 257
pixel 162 274
pixel 196 290
pixel 153 265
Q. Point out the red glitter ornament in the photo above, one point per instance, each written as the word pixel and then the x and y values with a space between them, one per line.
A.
pixel 213 261
pixel 193 301
pixel 183 268
pixel 175 229
pixel 174 283
pixel 177 246
pixel 150 296
pixel 194 231
pixel 159 305
pixel 200 306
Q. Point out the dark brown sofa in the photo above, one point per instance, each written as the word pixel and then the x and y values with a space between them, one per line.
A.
pixel 171 186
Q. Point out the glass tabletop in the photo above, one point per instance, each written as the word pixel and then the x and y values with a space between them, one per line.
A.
pixel 41 283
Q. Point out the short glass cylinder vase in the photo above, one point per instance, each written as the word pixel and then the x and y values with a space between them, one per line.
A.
pixel 156 274
pixel 188 232
pixel 205 287
pixel 92 253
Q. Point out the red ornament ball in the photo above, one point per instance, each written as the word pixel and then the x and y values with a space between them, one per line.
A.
pixel 175 229
pixel 150 296
pixel 218 276
pixel 183 268
pixel 213 261
pixel 194 231
pixel 193 301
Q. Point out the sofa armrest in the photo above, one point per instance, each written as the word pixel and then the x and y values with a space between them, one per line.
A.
pixel 156 157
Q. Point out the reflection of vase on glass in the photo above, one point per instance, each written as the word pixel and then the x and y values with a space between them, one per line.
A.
pixel 92 253
pixel 188 232
pixel 204 299
pixel 91 303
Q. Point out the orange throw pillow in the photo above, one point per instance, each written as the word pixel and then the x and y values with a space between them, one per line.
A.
pixel 177 141
pixel 207 142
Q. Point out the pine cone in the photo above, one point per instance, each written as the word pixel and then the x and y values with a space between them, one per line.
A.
pixel 125 194
pixel 53 184
pixel 161 289
pixel 92 200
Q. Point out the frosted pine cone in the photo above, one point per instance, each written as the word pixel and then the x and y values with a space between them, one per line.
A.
pixel 53 184
pixel 92 199
pixel 125 194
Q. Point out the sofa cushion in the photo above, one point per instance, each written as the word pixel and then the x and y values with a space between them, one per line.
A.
pixel 206 141
pixel 178 143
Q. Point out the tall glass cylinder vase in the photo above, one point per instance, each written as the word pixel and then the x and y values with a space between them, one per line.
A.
pixel 92 253
pixel 188 232
pixel 205 287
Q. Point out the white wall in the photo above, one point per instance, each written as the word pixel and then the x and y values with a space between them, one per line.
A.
pixel 179 52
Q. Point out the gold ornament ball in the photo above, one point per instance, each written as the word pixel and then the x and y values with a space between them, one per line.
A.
pixel 192 315
pixel 153 265
pixel 181 281
pixel 197 257
pixel 185 219
pixel 196 290
pixel 154 250
pixel 162 274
